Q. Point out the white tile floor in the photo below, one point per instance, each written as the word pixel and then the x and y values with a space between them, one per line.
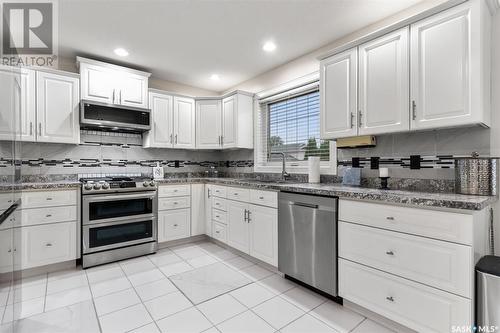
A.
pixel 198 287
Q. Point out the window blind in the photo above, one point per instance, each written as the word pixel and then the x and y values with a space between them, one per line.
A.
pixel 291 125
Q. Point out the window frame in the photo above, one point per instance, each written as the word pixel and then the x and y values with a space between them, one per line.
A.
pixel 261 145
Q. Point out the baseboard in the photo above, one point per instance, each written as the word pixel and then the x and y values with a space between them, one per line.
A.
pixel 182 241
pixel 26 273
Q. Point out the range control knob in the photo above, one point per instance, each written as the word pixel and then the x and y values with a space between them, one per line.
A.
pixel 152 183
pixel 88 186
pixel 97 186
pixel 145 184
pixel 105 186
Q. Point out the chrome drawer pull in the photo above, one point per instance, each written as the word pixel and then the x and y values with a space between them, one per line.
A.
pixel 176 225
pixel 217 216
pixel 390 299
pixel 49 199
pixel 390 253
pixel 48 244
pixel 235 193
pixel 217 232
pixel 175 203
pixel 261 198
pixel 391 218
pixel 48 215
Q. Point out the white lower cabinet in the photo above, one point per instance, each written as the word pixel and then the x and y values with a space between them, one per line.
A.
pixel 174 224
pixel 47 244
pixel 237 228
pixel 412 304
pixel 264 233
pixel 6 250
pixel 252 229
pixel 208 210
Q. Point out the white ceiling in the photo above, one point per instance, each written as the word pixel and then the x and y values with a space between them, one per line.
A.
pixel 188 40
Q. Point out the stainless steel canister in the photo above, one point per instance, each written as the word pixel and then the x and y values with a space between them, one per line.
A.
pixel 476 175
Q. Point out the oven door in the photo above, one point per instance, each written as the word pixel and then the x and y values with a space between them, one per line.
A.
pixel 111 235
pixel 103 208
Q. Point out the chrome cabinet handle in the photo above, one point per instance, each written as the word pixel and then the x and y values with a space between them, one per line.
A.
pixel 48 244
pixel 235 193
pixel 389 253
pixel 176 225
pixel 391 218
pixel 245 216
pixel 221 140
pixel 31 128
pixel 248 216
pixel 9 250
pixel 360 115
pixel 49 199
pixel 113 96
pixel 209 193
pixel 171 138
pixel 217 232
pixel 39 128
pixel 175 202
pixel 413 110
pixel 352 119
pixel 48 215
pixel 261 198
pixel 120 97
pixel 390 298
pixel 217 216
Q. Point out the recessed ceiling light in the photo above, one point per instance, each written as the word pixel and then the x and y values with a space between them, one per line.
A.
pixel 269 46
pixel 121 52
pixel 215 77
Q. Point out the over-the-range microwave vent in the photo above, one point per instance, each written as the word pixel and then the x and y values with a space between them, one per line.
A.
pixel 96 115
pixel 357 142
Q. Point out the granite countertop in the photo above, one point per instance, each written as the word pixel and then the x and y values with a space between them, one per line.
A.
pixel 417 199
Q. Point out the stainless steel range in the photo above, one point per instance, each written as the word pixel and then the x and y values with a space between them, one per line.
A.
pixel 119 219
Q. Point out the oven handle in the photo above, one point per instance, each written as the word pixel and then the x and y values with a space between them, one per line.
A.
pixel 106 197
pixel 121 220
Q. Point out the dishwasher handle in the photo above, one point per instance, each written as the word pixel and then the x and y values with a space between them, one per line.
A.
pixel 302 204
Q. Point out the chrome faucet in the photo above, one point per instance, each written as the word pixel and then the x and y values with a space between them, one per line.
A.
pixel 284 175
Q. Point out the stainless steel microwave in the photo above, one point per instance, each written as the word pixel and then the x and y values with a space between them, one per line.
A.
pixel 115 117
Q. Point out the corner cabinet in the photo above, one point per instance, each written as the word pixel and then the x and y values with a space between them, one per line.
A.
pixel 338 86
pixel 57 108
pixel 432 74
pixel 450 68
pixel 225 123
pixel 111 84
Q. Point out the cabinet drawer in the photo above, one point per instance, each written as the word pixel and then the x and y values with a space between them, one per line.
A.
pixel 449 226
pixel 220 232
pixel 174 203
pixel 238 194
pixel 436 263
pixel 48 244
pixel 219 191
pixel 174 190
pixel 414 305
pixel 46 215
pixel 219 203
pixel 38 199
pixel 264 198
pixel 174 224
pixel 219 216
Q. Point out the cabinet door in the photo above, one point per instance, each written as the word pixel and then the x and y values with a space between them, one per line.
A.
pixel 264 234
pixel 184 123
pixel 57 108
pixel 133 90
pixel 6 250
pixel 197 209
pixel 98 84
pixel 338 85
pixel 48 244
pixel 237 226
pixel 441 69
pixel 208 124
pixel 208 210
pixel 384 84
pixel 24 82
pixel 229 121
pixel 173 224
pixel 162 115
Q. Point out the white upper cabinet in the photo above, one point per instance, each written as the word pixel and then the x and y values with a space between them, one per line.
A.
pixel 208 124
pixel 450 68
pixel 184 123
pixel 384 84
pixel 230 121
pixel 162 117
pixel 111 84
pixel 24 102
pixel 338 86
pixel 57 108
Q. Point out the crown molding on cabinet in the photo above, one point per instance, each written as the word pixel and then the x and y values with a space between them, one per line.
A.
pixel 199 98
pixel 398 25
pixel 111 66
pixel 493 5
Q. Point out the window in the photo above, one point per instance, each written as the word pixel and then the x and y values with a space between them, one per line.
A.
pixel 290 125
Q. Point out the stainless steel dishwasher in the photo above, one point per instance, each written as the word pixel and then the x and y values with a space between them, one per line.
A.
pixel 307 240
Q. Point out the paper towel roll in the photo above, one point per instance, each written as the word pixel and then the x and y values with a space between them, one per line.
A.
pixel 313 162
